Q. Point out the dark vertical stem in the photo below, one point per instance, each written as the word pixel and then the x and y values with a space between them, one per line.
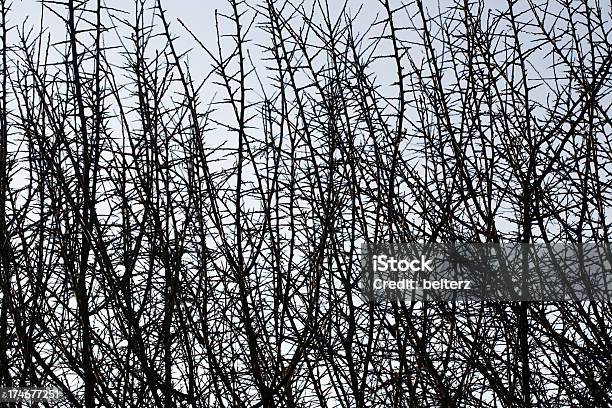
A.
pixel 5 247
pixel 81 289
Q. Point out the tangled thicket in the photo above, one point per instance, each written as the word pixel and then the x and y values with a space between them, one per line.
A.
pixel 188 236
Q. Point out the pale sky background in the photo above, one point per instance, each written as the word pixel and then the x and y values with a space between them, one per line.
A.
pixel 199 17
